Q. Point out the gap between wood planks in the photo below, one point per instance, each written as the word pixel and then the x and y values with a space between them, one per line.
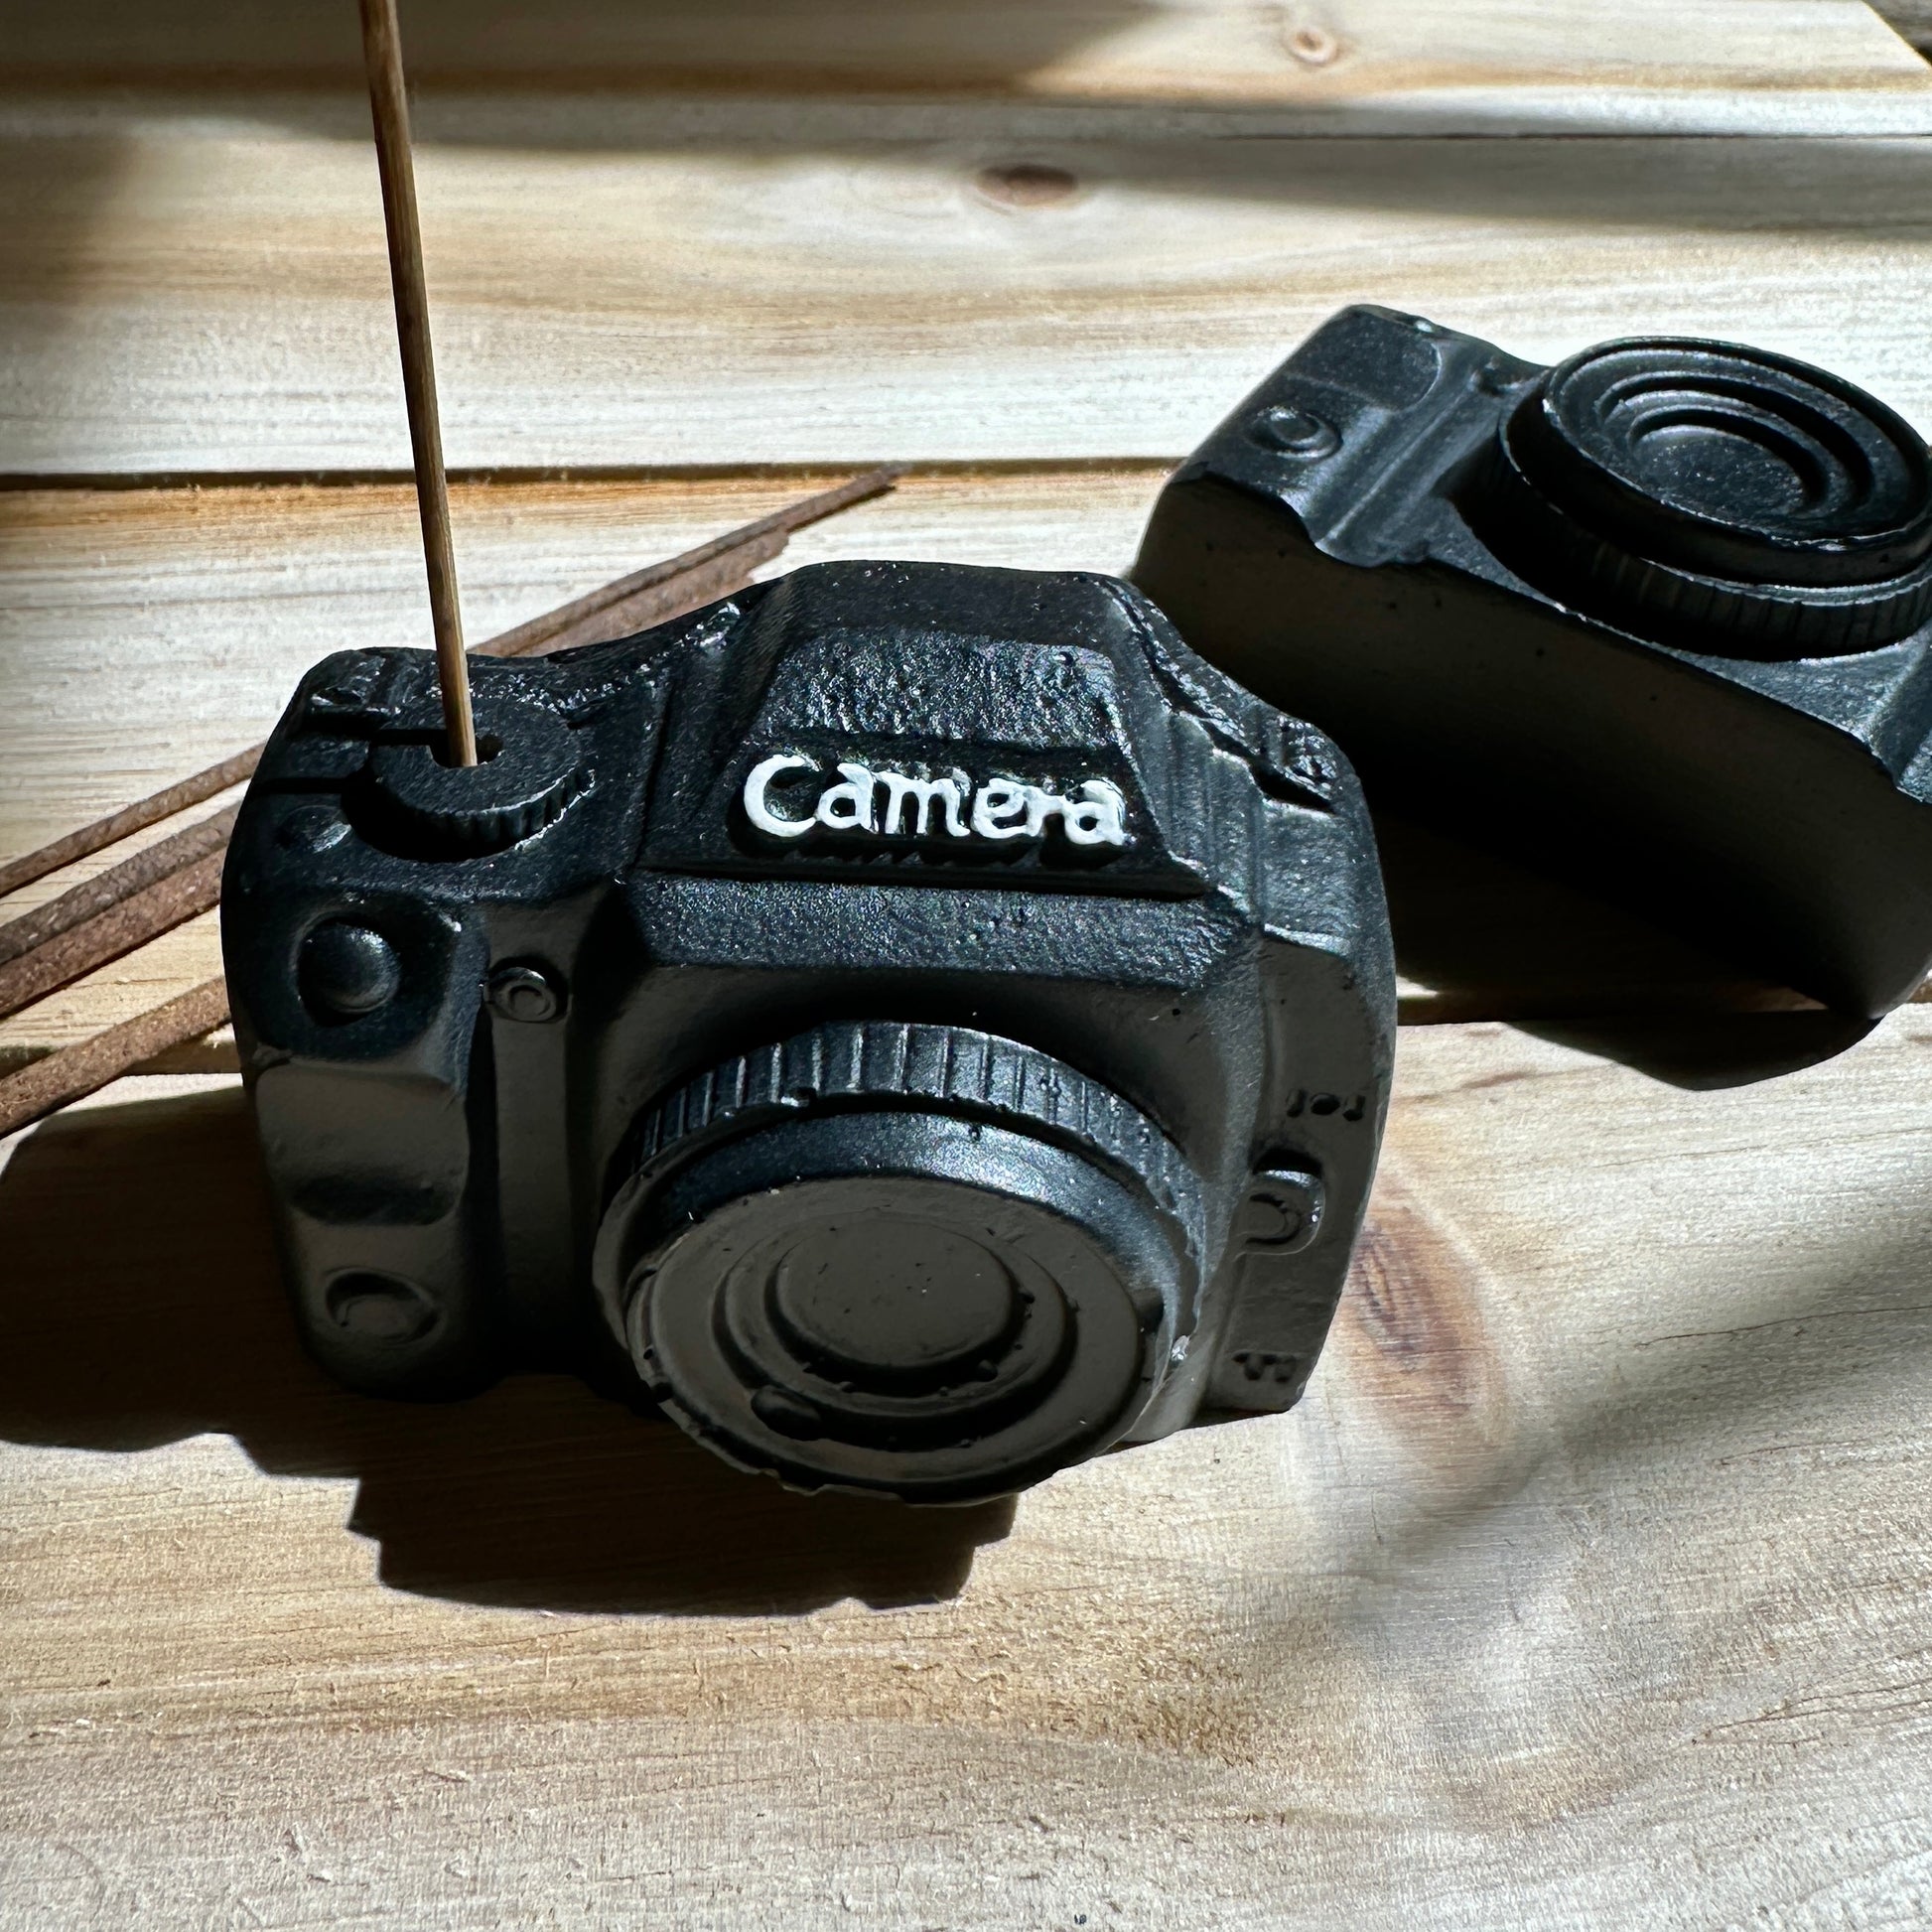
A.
pixel 645 475
pixel 195 562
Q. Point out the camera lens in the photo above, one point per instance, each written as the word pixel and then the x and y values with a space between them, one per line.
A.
pixel 1719 498
pixel 917 1261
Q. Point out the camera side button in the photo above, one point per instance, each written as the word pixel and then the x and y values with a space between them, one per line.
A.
pixel 1289 431
pixel 1283 1211
pixel 527 993
pixel 346 970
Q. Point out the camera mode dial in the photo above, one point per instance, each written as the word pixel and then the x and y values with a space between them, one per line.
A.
pixel 529 771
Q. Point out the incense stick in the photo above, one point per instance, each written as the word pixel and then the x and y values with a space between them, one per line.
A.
pixel 684 582
pixel 180 877
pixel 122 824
pixel 389 110
pixel 570 624
pixel 108 888
pixel 111 934
pixel 76 1071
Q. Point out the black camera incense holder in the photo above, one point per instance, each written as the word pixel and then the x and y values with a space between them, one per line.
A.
pixel 924 1020
pixel 1661 613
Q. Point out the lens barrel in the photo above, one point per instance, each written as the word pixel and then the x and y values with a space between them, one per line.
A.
pixel 912 1260
pixel 1716 497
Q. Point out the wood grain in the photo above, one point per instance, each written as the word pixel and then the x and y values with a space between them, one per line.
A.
pixel 143 631
pixel 111 934
pixel 1588 1586
pixel 149 630
pixel 195 297
pixel 1819 66
pixel 103 890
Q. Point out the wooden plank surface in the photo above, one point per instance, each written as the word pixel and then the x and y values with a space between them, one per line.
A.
pixel 1819 65
pixel 157 630
pixel 699 287
pixel 1588 1586
pixel 152 633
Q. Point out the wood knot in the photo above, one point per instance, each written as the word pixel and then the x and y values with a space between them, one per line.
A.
pixel 1413 1295
pixel 1308 40
pixel 1026 184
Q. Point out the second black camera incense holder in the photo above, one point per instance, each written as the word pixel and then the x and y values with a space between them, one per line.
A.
pixel 1661 613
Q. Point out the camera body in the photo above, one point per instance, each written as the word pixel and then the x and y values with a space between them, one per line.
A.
pixel 1662 613
pixel 925 1021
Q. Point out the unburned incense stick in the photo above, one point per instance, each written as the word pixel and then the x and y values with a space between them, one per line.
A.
pixel 180 877
pixel 751 545
pixel 108 888
pixel 111 934
pixel 137 817
pixel 695 577
pixel 76 1071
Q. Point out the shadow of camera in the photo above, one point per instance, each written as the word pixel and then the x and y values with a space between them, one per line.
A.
pixel 142 1305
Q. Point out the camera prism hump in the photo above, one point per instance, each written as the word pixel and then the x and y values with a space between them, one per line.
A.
pixel 921 1022
pixel 1660 615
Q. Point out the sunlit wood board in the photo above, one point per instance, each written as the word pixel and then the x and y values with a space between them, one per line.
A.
pixel 625 289
pixel 1787 66
pixel 1588 1586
